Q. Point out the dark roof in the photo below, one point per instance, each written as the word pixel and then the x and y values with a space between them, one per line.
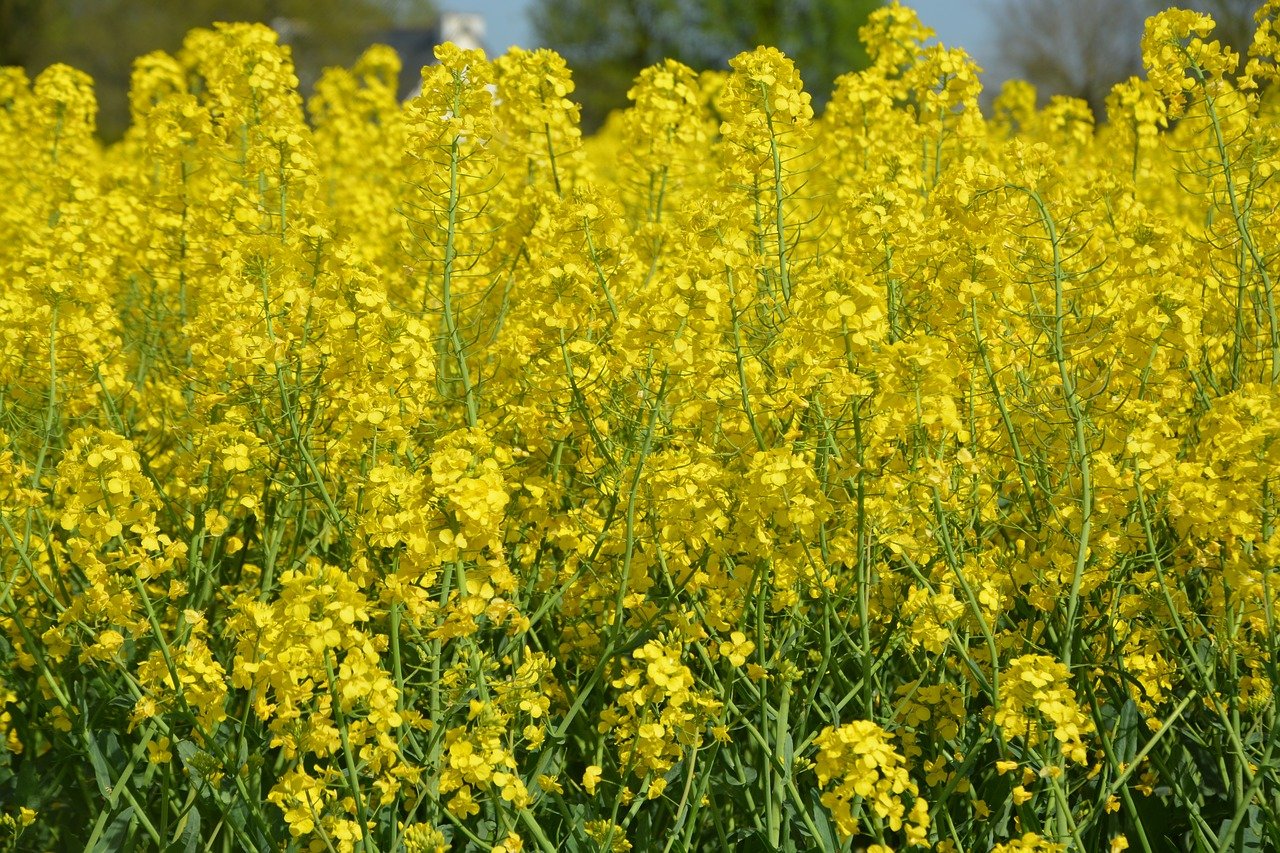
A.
pixel 416 46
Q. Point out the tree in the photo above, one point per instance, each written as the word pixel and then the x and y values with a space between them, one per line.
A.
pixel 1234 19
pixel 1084 47
pixel 104 37
pixel 607 42
pixel 18 19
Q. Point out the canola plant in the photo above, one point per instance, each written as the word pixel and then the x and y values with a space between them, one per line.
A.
pixel 424 476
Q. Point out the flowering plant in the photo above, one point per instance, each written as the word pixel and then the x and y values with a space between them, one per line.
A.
pixel 424 476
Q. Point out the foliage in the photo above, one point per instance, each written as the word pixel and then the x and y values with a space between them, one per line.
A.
pixel 609 43
pixel 45 32
pixel 428 477
pixel 19 19
pixel 1085 47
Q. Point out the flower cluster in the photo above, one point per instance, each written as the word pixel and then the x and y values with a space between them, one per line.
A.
pixel 425 476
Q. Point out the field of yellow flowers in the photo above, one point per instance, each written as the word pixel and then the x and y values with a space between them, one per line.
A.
pixel 426 477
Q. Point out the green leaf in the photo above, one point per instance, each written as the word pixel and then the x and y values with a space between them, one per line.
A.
pixel 787 751
pixel 1128 730
pixel 99 745
pixel 113 839
pixel 188 840
pixel 1251 840
pixel 826 832
pixel 751 841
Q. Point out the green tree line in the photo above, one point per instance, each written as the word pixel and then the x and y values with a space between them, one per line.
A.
pixel 606 42
pixel 104 37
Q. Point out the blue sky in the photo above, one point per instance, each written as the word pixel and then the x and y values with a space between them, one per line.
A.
pixel 959 23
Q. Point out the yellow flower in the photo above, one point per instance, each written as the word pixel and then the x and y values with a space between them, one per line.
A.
pixel 737 648
pixel 511 843
pixel 158 751
pixel 591 778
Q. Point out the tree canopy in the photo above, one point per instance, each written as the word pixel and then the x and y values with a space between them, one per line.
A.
pixel 104 37
pixel 607 42
pixel 1085 47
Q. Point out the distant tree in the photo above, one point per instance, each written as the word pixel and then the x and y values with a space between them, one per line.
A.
pixel 1234 19
pixel 1084 47
pixel 103 37
pixel 18 20
pixel 607 42
pixel 820 35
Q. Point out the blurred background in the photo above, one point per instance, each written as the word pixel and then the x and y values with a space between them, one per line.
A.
pixel 1071 47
